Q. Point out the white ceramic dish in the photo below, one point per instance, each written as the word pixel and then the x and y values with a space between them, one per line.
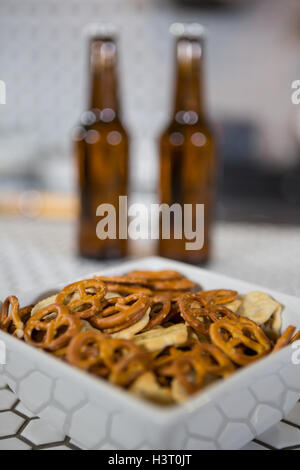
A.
pixel 97 415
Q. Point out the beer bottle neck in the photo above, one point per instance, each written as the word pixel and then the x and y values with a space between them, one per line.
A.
pixel 188 91
pixel 104 80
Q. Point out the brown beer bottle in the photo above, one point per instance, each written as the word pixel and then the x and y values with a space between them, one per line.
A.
pixel 188 167
pixel 101 149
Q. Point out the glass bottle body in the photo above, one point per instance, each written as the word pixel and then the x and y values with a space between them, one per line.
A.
pixel 188 164
pixel 101 147
pixel 188 176
pixel 102 159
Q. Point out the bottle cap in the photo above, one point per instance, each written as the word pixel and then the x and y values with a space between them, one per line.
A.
pixel 95 30
pixel 188 30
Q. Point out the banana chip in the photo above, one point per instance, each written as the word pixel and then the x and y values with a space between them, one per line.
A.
pixel 272 327
pixel 234 306
pixel 147 387
pixel 111 295
pixel 178 393
pixel 86 326
pixel 43 303
pixel 262 309
pixel 160 338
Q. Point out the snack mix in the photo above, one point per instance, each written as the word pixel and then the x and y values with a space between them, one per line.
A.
pixel 156 334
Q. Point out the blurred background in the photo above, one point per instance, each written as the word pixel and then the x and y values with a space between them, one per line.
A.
pixel 252 58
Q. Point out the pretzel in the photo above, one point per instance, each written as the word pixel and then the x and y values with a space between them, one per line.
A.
pixel 200 314
pixel 296 337
pixel 12 319
pixel 52 327
pixel 174 285
pixel 219 296
pixel 148 387
pixel 166 358
pixel 132 330
pixel 285 338
pixel 165 275
pixel 84 351
pixel 60 353
pixel 160 309
pixel 125 360
pixel 24 314
pixel 118 312
pixel 161 280
pixel 125 279
pixel 160 338
pixel 119 329
pixel 124 289
pixel 139 281
pixel 188 370
pixel 243 341
pixel 213 359
pixel 83 298
pixel 174 314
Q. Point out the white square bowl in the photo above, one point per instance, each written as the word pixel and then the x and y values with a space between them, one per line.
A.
pixel 98 415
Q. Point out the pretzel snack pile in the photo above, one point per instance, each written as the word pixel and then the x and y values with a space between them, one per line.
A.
pixel 155 333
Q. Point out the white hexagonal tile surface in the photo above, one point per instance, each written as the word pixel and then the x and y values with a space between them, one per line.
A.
pixel 253 446
pixel 264 416
pixel 129 438
pixel 289 401
pixel 2 382
pixel 40 432
pixel 234 436
pixel 9 423
pixel 281 435
pixel 7 399
pixel 107 446
pixel 89 417
pixel 269 390
pixel 13 444
pixel 69 397
pixel 206 423
pixel 290 376
pixel 54 416
pixel 35 390
pixel 23 410
pixel 199 444
pixel 294 415
pixel 238 405
pixel 18 367
pixel 57 448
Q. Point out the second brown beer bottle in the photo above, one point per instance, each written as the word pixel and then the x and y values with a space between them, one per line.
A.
pixel 101 149
pixel 188 168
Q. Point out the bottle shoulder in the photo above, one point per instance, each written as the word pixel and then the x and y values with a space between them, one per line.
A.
pixel 80 130
pixel 98 125
pixel 202 126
